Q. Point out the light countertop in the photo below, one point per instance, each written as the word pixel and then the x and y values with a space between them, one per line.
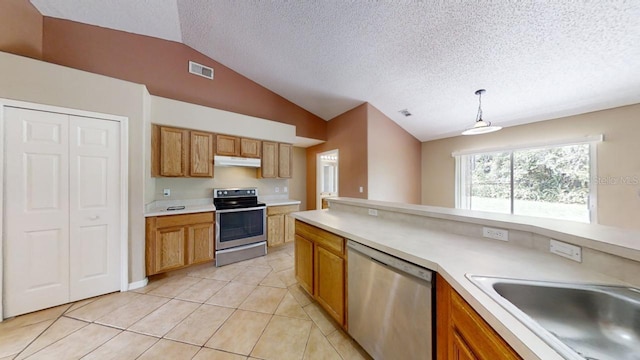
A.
pixel 188 209
pixel 453 256
pixel 279 202
pixel 159 207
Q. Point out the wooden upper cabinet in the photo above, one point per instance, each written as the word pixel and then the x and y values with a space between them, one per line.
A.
pixel 250 148
pixel 277 160
pixel 201 154
pixel 285 160
pixel 269 165
pixel 179 152
pixel 227 145
pixel 174 150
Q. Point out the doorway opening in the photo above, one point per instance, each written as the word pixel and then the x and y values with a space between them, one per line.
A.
pixel 327 177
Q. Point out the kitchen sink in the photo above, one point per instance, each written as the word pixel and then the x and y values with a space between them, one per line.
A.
pixel 593 322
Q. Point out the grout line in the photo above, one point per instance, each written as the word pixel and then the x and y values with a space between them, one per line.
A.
pixel 261 334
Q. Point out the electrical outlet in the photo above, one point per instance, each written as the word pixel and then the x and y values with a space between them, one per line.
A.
pixel 565 250
pixel 373 212
pixel 277 189
pixel 361 189
pixel 497 234
pixel 166 192
pixel 285 189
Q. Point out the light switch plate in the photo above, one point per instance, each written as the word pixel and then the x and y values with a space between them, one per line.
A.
pixel 563 249
pixel 166 192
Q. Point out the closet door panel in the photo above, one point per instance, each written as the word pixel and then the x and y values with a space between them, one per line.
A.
pixel 94 149
pixel 36 210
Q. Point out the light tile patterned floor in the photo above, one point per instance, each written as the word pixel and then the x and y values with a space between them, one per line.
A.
pixel 248 310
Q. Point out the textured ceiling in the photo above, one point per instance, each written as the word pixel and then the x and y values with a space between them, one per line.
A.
pixel 537 59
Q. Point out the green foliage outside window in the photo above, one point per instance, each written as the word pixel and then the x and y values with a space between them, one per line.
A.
pixel 555 175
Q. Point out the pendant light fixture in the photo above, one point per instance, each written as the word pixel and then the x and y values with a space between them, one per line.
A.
pixel 481 126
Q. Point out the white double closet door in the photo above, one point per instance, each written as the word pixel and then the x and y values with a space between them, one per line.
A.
pixel 61 209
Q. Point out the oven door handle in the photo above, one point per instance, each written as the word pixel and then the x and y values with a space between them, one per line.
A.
pixel 217 234
pixel 242 209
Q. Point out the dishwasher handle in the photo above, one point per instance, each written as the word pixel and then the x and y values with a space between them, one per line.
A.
pixel 391 261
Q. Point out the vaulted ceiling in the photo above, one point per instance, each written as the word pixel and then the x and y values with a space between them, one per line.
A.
pixel 537 59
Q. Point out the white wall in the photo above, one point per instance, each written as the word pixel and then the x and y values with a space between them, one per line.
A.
pixel 177 113
pixel 224 177
pixel 180 114
pixel 617 159
pixel 35 81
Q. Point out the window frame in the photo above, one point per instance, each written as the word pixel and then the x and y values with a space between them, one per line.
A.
pixel 462 185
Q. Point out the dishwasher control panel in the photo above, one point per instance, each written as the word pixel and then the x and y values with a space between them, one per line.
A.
pixel 392 261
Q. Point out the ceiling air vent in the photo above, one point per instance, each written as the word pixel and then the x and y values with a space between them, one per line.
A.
pixel 405 112
pixel 200 70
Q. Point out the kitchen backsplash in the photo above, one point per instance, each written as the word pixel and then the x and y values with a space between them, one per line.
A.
pixel 224 177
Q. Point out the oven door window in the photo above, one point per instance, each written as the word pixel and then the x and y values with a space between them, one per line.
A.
pixel 241 225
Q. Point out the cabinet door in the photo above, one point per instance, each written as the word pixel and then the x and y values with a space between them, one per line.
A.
pixel 275 229
pixel 170 249
pixel 269 168
pixel 304 263
pixel 289 228
pixel 201 154
pixel 462 333
pixel 200 243
pixel 329 272
pixel 227 145
pixel 173 151
pixel 250 148
pixel 285 160
pixel 460 348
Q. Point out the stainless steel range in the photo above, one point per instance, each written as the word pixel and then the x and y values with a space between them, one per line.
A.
pixel 241 225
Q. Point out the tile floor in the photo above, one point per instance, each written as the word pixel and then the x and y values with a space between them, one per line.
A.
pixel 248 310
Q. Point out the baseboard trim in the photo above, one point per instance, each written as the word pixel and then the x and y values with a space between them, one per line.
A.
pixel 138 284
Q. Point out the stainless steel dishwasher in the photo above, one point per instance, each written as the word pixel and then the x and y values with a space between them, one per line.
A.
pixel 390 304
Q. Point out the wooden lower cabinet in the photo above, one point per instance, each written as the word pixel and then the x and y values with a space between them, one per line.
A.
pixel 275 229
pixel 304 263
pixel 461 333
pixel 280 225
pixel 320 267
pixel 169 253
pixel 177 241
pixel 329 284
pixel 200 243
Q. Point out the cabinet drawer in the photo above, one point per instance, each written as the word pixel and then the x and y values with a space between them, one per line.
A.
pixel 320 237
pixel 282 209
pixel 186 219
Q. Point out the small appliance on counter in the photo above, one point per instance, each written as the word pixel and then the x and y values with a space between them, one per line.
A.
pixel 241 225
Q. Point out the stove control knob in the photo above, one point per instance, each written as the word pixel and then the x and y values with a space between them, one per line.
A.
pixel 253 191
pixel 225 193
pixel 248 191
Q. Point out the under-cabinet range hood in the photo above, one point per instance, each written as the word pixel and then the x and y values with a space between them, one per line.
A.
pixel 236 161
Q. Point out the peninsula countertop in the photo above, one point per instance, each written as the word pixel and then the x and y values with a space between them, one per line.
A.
pixel 454 256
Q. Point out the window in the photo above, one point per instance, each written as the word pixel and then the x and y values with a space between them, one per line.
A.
pixel 553 181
